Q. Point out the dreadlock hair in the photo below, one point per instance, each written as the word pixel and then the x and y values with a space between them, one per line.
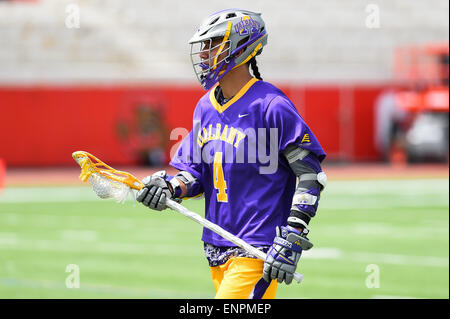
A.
pixel 252 62
pixel 254 67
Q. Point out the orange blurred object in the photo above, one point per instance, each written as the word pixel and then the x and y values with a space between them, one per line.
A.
pixel 423 71
pixel 2 173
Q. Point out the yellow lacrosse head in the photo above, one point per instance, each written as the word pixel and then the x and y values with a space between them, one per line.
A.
pixel 90 164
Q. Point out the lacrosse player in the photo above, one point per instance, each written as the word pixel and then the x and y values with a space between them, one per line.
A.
pixel 253 195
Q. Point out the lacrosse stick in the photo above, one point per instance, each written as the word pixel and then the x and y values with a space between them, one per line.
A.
pixel 108 182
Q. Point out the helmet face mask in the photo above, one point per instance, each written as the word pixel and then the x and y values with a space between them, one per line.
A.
pixel 242 35
pixel 213 63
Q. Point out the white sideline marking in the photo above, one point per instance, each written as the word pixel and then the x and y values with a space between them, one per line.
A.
pixel 47 194
pixel 395 259
pixel 374 205
pixel 378 194
pixel 79 235
pixel 99 247
pixel 11 242
pixel 412 192
pixel 399 231
pixel 369 257
pixel 322 253
pixel 410 187
pixel 8 239
pixel 48 220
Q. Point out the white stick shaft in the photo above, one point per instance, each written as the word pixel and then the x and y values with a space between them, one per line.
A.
pixel 222 232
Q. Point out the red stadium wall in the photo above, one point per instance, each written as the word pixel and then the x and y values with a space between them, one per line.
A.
pixel 42 126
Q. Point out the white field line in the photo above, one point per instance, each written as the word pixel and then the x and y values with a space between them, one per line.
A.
pixel 79 235
pixel 373 204
pixel 396 259
pixel 376 194
pixel 80 246
pixel 11 242
pixel 47 194
pixel 413 187
pixel 407 193
pixel 7 239
pixel 389 231
pixel 55 221
pixel 374 258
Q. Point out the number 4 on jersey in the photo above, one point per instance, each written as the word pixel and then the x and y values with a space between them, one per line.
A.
pixel 219 182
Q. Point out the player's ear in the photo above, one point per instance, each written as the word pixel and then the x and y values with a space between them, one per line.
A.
pixel 239 44
pixel 240 52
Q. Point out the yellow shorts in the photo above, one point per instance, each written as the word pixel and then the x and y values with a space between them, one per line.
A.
pixel 241 278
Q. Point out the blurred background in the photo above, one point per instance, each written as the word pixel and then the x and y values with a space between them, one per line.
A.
pixel 114 78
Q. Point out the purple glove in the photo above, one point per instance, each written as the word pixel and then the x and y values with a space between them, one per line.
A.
pixel 282 258
pixel 156 191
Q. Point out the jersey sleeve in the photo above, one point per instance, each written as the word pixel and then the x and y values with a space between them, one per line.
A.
pixel 294 133
pixel 291 127
pixel 188 155
pixel 186 159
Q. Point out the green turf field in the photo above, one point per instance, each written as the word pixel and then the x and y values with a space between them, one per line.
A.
pixel 400 227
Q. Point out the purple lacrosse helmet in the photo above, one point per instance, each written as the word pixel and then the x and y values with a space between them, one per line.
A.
pixel 239 30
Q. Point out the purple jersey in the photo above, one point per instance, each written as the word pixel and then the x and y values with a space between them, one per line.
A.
pixel 235 150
